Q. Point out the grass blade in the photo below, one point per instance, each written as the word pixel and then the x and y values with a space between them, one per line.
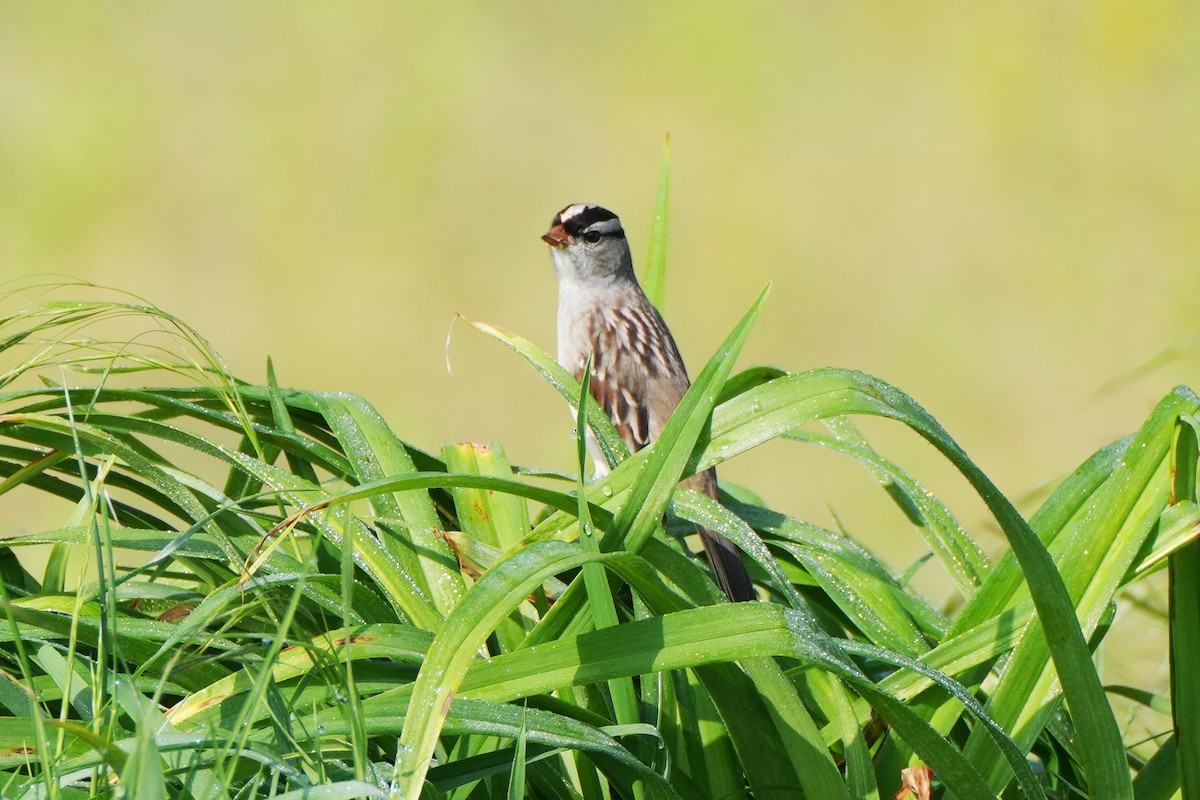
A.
pixel 671 452
pixel 1185 614
pixel 654 282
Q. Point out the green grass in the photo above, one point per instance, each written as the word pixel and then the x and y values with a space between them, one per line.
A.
pixel 267 592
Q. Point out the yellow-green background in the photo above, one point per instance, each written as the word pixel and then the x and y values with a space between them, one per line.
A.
pixel 993 205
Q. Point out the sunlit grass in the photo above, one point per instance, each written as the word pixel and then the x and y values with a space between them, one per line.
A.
pixel 282 594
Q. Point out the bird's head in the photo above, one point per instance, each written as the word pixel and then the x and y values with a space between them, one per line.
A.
pixel 588 244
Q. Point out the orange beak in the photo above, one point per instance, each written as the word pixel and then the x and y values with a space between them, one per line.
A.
pixel 556 237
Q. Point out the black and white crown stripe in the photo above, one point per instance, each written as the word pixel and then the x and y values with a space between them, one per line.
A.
pixel 581 217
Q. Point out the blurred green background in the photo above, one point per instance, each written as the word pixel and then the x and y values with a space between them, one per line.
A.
pixel 994 206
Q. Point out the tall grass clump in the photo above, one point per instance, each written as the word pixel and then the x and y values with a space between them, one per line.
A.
pixel 266 592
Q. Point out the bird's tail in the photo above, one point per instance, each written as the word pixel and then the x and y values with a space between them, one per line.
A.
pixel 727 566
pixel 725 558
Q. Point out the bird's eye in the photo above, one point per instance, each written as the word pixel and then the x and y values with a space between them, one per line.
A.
pixel 591 237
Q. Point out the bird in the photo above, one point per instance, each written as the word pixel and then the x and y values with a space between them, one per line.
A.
pixel 638 376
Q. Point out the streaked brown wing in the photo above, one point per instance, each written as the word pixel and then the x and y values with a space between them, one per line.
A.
pixel 630 418
pixel 637 374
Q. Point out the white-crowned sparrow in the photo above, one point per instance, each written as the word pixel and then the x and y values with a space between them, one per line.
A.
pixel 638 377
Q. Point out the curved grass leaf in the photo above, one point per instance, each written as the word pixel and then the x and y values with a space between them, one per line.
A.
pixel 786 403
pixel 958 552
pixel 672 450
